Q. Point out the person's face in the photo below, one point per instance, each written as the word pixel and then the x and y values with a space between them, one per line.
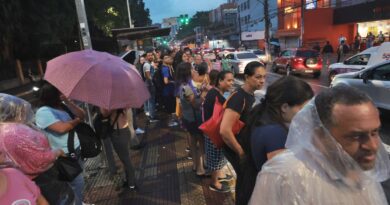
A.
pixel 227 83
pixel 168 60
pixel 149 57
pixel 142 60
pixel 185 58
pixel 356 129
pixel 288 112
pixel 257 81
pixel 198 59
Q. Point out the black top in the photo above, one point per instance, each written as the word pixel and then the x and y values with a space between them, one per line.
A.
pixel 237 101
pixel 208 104
pixel 266 139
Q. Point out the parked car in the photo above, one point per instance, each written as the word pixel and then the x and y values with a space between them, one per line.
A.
pixel 368 57
pixel 238 60
pixel 260 54
pixel 298 60
pixel 226 51
pixel 373 80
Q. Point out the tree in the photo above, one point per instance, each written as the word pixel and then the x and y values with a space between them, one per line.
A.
pixel 201 18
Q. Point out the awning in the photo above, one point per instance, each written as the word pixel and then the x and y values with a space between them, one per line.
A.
pixel 140 32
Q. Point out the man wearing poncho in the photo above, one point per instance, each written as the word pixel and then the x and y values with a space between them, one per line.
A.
pixel 334 155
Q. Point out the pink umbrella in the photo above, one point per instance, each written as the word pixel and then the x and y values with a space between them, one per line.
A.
pixel 97 78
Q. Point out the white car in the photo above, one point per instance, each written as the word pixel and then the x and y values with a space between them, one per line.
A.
pixel 368 57
pixel 374 80
pixel 238 60
pixel 260 54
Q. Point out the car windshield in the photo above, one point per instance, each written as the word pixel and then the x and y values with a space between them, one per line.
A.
pixel 307 54
pixel 258 52
pixel 246 55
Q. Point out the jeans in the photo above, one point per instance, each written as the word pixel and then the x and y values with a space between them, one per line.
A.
pixel 78 185
pixel 109 155
pixel 150 104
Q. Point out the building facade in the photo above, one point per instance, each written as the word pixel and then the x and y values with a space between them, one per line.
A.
pixel 173 23
pixel 251 21
pixel 327 20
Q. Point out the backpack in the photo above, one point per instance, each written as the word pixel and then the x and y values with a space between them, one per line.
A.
pixel 158 80
pixel 103 126
pixel 90 143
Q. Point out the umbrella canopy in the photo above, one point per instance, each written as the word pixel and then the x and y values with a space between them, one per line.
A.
pixel 97 78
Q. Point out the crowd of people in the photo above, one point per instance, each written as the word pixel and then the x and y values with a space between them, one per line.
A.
pixel 294 147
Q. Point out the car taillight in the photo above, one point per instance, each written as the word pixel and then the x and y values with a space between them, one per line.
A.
pixel 298 60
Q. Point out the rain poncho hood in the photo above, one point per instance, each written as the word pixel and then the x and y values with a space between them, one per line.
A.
pixel 25 148
pixel 315 169
pixel 14 109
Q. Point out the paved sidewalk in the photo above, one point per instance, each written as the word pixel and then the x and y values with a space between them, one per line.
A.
pixel 164 174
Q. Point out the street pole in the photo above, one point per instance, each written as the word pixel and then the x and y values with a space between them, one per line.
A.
pixel 128 12
pixel 267 28
pixel 83 23
pixel 302 23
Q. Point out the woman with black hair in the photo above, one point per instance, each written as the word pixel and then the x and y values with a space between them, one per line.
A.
pixel 266 130
pixel 56 123
pixel 191 100
pixel 214 156
pixel 238 107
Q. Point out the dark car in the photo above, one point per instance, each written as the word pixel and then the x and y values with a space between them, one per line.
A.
pixel 298 60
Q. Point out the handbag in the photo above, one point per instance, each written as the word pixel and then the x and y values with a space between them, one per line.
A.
pixel 69 167
pixel 212 126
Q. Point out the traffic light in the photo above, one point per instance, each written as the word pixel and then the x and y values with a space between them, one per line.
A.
pixel 184 20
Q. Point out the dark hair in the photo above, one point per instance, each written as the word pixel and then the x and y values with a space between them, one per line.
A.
pixel 183 73
pixel 342 94
pixel 213 76
pixel 178 59
pixel 288 89
pixel 149 51
pixel 202 68
pixel 221 76
pixel 49 95
pixel 187 49
pixel 251 67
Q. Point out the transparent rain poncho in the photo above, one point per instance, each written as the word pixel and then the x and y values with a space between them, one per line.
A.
pixel 14 109
pixel 25 148
pixel 315 169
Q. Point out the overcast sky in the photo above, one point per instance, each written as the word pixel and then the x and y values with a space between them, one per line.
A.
pixel 160 9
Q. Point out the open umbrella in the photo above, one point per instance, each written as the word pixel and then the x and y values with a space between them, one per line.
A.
pixel 97 78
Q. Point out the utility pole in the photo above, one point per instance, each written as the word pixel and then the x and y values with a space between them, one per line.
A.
pixel 83 23
pixel 302 23
pixel 267 23
pixel 128 12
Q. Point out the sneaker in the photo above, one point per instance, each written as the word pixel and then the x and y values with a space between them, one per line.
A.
pixel 132 187
pixel 173 124
pixel 224 188
pixel 139 131
pixel 227 178
pixel 188 149
pixel 87 204
pixel 153 120
pixel 147 114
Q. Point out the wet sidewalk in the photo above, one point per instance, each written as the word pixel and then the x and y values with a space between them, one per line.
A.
pixel 164 174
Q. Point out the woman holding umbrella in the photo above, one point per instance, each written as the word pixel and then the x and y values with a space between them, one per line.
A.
pixel 120 139
pixel 57 123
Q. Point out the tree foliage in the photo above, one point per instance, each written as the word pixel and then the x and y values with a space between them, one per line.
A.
pixel 201 18
pixel 31 29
